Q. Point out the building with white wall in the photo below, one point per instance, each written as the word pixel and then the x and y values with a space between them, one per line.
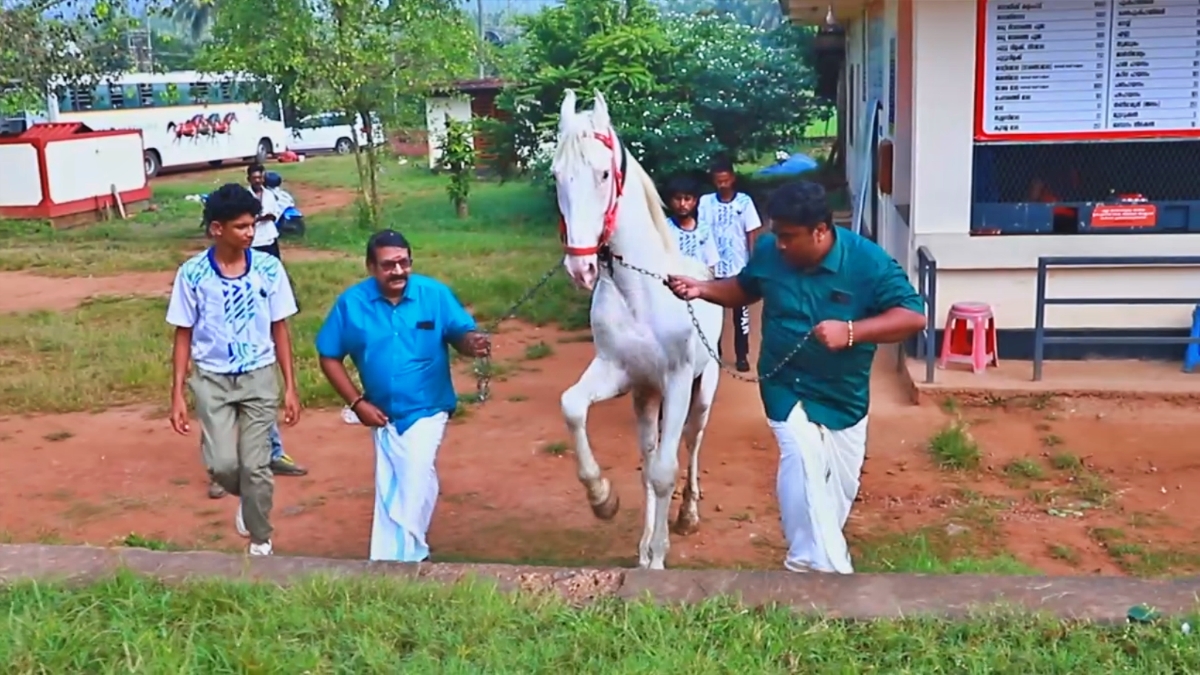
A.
pixel 1022 129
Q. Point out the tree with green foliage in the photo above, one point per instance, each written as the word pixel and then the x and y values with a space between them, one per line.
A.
pixel 458 161
pixel 356 57
pixel 681 88
pixel 195 15
pixel 49 43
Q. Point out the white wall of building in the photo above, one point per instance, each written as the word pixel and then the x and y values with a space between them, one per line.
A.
pixel 1001 270
pixel 437 108
pixel 21 180
pixel 83 168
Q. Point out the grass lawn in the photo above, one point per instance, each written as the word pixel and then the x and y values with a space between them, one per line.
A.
pixel 117 351
pixel 132 625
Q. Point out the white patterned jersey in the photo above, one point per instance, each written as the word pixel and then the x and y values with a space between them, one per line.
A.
pixel 231 318
pixel 696 243
pixel 730 222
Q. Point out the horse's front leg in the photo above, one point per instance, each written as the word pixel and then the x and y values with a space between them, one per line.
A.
pixel 601 381
pixel 704 390
pixel 646 404
pixel 663 464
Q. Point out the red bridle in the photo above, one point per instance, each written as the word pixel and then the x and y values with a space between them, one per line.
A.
pixel 610 210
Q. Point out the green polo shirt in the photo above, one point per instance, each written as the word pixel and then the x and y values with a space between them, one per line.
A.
pixel 855 281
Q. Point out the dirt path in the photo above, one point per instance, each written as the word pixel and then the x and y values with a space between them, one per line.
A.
pixel 507 493
pixel 28 291
pixel 310 199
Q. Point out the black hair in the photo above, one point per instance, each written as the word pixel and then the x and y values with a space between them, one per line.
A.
pixel 255 168
pixel 800 203
pixel 720 164
pixel 681 185
pixel 385 239
pixel 229 202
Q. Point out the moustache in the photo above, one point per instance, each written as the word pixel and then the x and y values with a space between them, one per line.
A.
pixel 397 277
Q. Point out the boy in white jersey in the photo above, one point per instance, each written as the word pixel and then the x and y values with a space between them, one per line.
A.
pixel 734 222
pixel 694 241
pixel 229 306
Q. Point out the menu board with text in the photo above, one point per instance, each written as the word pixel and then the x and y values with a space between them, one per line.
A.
pixel 1088 68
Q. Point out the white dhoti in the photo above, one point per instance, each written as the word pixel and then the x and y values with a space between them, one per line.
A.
pixel 819 473
pixel 406 489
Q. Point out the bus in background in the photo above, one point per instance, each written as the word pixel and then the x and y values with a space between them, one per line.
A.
pixel 185 117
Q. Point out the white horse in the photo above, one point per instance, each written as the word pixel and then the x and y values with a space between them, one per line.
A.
pixel 612 219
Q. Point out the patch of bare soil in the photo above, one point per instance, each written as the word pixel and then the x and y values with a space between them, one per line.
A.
pixel 509 490
pixel 25 291
pixel 28 291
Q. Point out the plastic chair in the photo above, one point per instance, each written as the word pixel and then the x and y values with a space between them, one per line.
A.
pixel 1191 356
pixel 979 347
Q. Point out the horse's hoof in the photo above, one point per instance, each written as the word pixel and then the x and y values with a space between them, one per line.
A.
pixel 686 524
pixel 608 508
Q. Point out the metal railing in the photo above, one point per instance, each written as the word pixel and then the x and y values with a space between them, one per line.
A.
pixel 1040 339
pixel 927 287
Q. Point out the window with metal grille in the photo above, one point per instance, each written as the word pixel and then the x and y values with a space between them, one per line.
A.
pixel 116 96
pixel 1057 188
pixel 145 94
pixel 80 98
pixel 199 92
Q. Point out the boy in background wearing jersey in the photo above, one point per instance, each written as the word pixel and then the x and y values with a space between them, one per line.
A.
pixel 230 306
pixel 733 219
pixel 694 241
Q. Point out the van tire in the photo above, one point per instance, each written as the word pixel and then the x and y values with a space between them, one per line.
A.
pixel 152 163
pixel 344 146
pixel 265 150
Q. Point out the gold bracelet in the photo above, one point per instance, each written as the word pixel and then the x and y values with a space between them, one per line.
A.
pixel 850 329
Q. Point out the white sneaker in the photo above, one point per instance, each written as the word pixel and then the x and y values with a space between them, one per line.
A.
pixel 239 523
pixel 261 549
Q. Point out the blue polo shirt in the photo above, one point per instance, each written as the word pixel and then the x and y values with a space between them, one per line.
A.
pixel 856 280
pixel 400 350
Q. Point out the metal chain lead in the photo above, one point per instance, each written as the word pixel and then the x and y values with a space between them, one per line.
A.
pixel 704 338
pixel 483 364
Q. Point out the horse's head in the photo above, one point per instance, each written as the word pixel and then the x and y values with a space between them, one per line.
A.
pixel 589 175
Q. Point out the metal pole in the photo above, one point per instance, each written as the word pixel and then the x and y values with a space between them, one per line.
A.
pixel 931 322
pixel 1039 321
pixel 479 27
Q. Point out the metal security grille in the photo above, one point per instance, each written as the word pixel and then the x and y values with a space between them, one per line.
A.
pixel 1087 172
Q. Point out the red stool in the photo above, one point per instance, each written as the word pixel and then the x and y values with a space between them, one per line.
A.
pixel 970 336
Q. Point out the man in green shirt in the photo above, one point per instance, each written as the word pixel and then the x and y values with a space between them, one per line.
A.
pixel 835 295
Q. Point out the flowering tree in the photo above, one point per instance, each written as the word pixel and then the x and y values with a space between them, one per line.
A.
pixel 681 88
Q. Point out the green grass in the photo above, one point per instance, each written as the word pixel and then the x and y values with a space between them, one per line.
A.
pixel 953 448
pixel 131 625
pixel 112 351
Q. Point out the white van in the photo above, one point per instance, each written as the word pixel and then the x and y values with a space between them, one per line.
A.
pixel 330 131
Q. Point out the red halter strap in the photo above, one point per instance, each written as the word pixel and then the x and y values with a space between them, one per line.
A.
pixel 610 210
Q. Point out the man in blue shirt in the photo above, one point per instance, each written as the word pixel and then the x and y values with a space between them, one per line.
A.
pixel 395 326
pixel 835 295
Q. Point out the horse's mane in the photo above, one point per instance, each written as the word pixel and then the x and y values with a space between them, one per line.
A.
pixel 572 152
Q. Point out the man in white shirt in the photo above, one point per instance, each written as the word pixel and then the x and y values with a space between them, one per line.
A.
pixel 733 219
pixel 266 232
pixel 230 306
pixel 266 239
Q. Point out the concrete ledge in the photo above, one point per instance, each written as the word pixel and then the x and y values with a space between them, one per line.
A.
pixel 861 596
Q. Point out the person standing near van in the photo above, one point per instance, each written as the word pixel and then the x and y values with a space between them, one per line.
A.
pixel 733 220
pixel 266 239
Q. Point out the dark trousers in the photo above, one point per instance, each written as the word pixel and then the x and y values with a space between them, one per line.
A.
pixel 272 248
pixel 741 334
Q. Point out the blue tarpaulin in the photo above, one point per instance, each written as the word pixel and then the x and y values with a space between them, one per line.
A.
pixel 792 166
